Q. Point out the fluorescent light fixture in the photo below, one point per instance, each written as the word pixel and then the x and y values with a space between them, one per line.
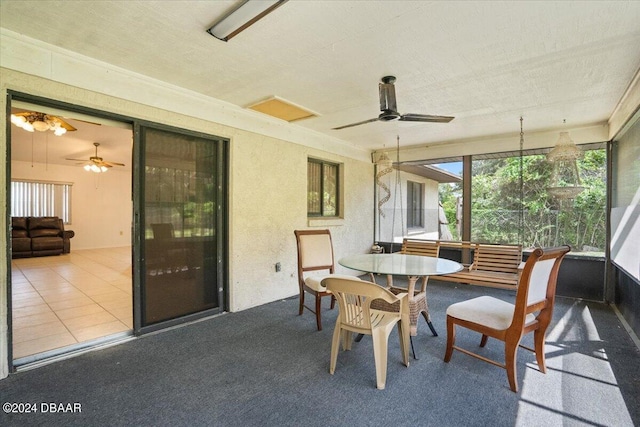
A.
pixel 242 17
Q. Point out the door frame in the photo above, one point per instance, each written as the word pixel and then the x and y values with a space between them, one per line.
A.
pixel 222 240
pixel 137 233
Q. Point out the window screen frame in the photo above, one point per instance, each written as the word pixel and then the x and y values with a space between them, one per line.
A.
pixel 320 182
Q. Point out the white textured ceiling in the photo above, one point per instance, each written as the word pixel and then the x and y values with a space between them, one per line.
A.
pixel 484 62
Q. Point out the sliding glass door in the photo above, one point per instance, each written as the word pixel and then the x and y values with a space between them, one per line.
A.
pixel 182 226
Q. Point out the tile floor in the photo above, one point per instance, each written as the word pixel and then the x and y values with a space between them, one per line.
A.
pixel 67 299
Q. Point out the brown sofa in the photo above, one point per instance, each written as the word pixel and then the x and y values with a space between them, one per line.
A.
pixel 39 236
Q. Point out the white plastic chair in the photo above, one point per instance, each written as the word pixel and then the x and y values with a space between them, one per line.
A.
pixel 356 316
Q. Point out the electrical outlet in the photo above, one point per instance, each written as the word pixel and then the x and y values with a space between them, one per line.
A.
pixel 278 267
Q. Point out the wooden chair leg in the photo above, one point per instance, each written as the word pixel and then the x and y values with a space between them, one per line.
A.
pixel 333 301
pixel 318 312
pixel 483 341
pixel 451 338
pixel 538 338
pixel 301 308
pixel 510 352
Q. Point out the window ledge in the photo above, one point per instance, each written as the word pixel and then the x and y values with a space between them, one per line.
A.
pixel 324 222
pixel 416 230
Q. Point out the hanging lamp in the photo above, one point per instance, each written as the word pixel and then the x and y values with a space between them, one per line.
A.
pixel 565 176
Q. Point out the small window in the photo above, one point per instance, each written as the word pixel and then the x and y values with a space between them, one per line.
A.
pixel 415 205
pixel 322 188
pixel 41 198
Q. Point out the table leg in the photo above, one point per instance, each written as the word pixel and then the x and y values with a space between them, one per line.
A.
pixel 425 310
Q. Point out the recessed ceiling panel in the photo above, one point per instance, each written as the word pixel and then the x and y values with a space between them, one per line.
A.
pixel 282 109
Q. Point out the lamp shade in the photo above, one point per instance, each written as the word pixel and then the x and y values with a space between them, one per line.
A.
pixel 384 161
pixel 565 176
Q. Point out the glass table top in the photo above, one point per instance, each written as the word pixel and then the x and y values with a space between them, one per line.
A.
pixel 400 264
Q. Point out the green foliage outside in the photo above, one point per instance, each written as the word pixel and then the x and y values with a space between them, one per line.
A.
pixel 503 213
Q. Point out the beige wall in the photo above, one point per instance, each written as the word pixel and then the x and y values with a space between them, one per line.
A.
pixel 269 187
pixel 101 207
pixel 267 195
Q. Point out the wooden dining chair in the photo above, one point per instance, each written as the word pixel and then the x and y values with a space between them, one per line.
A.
pixel 356 315
pixel 508 322
pixel 315 262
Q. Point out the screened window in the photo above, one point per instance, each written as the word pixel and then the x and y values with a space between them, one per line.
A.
pixel 415 205
pixel 322 188
pixel 38 198
pixel 505 209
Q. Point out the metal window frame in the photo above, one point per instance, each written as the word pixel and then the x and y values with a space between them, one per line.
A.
pixel 324 163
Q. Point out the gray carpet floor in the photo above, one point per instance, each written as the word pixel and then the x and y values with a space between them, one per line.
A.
pixel 269 367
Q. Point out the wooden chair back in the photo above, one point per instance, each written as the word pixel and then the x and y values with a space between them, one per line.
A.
pixel 315 250
pixel 537 288
pixel 497 258
pixel 162 230
pixel 421 247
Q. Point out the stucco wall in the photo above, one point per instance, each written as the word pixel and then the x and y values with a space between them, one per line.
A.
pixel 269 201
pixel 267 196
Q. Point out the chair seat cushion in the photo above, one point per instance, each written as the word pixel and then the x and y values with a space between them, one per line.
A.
pixel 487 311
pixel 315 282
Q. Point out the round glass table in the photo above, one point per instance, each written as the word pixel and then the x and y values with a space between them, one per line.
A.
pixel 400 264
pixel 411 266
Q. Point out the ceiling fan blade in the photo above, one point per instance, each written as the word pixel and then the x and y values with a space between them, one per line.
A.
pixel 77 160
pixel 109 164
pixel 64 124
pixel 88 122
pixel 425 118
pixel 356 124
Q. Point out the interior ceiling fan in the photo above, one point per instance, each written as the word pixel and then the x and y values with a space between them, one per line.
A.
pixel 96 161
pixel 33 120
pixel 390 111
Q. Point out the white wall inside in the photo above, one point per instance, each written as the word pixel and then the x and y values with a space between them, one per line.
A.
pixel 101 206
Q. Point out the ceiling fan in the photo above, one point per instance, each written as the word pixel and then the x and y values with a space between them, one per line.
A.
pixel 390 111
pixel 33 120
pixel 95 163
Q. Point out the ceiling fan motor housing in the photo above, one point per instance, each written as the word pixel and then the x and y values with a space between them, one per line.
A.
pixel 388 115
